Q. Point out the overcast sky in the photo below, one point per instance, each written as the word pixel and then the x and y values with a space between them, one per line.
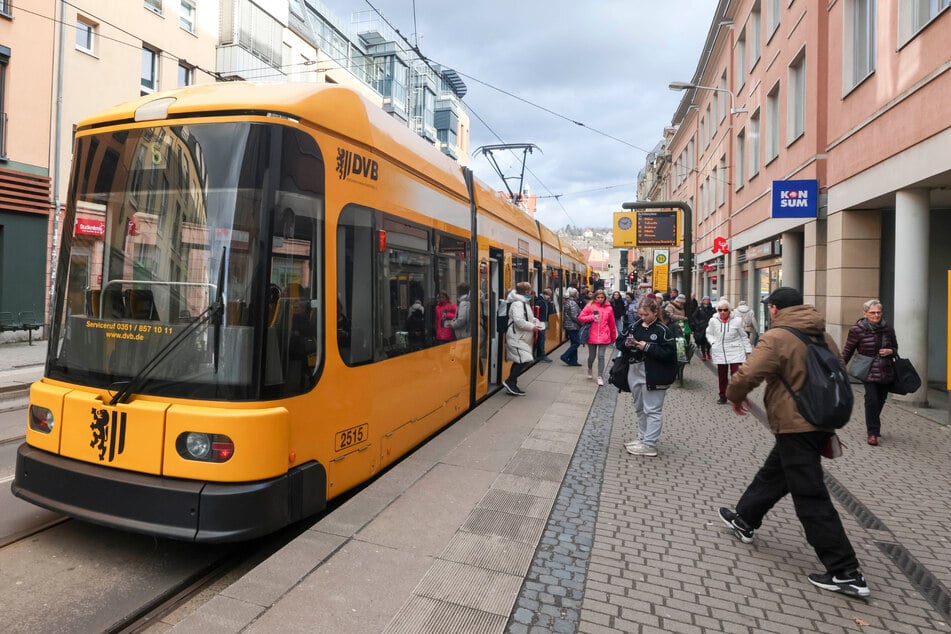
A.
pixel 535 67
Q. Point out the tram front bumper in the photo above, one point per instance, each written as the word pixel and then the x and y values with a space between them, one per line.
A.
pixel 168 507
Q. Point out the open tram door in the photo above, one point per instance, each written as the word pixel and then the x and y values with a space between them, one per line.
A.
pixel 496 290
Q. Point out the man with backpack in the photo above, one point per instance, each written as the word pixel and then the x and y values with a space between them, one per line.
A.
pixel 793 465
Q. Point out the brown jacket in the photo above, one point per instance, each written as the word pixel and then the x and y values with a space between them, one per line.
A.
pixel 780 353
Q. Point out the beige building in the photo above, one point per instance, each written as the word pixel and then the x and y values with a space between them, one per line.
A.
pixel 26 55
pixel 812 146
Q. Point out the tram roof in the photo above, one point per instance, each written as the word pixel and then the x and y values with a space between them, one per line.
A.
pixel 337 109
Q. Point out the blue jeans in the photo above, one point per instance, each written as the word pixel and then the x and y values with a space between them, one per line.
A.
pixel 540 345
pixel 570 356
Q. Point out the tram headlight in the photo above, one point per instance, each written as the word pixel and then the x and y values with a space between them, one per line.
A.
pixel 41 419
pixel 193 445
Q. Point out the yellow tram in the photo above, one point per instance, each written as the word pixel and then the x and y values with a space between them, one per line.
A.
pixel 245 322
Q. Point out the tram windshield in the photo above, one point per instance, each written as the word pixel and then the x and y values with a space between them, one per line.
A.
pixel 191 262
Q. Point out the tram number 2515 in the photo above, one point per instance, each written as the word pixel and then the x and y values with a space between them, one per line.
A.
pixel 349 437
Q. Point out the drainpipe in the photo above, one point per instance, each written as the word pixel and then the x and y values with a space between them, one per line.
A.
pixel 55 163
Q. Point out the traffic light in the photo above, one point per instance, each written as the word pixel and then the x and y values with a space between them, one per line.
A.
pixel 632 277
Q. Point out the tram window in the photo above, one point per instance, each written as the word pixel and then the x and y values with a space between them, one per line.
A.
pixel 452 270
pixel 407 301
pixel 293 339
pixel 355 286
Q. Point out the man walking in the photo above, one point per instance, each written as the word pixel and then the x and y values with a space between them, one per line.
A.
pixel 793 465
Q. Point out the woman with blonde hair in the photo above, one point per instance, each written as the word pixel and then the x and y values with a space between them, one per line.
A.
pixel 729 344
pixel 599 313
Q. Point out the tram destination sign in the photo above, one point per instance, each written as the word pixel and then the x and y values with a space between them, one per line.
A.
pixel 658 228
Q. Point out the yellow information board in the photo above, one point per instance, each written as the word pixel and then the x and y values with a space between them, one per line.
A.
pixel 657 228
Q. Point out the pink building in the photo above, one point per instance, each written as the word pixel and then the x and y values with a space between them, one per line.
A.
pixel 814 147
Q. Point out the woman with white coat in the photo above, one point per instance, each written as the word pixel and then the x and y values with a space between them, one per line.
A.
pixel 729 344
pixel 520 335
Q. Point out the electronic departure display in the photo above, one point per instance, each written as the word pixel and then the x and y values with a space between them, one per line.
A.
pixel 658 229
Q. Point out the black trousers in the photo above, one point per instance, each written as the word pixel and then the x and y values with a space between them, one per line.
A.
pixel 793 467
pixel 875 395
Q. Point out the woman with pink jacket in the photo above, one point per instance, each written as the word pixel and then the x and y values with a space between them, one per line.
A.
pixel 603 333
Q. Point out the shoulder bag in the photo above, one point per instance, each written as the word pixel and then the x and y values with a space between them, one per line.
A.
pixel 860 365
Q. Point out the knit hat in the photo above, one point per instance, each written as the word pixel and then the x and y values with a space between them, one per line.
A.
pixel 784 297
pixel 681 298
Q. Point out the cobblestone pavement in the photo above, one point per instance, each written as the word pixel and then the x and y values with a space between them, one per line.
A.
pixel 646 552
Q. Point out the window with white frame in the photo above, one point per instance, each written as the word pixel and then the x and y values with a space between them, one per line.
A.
pixel 5 7
pixel 186 15
pixel 772 17
pixel 754 142
pixel 739 170
pixel 914 15
pixel 772 123
pixel 185 75
pixel 796 106
pixel 858 50
pixel 154 5
pixel 150 59
pixel 715 183
pixel 86 35
pixel 754 33
pixel 739 58
pixel 721 183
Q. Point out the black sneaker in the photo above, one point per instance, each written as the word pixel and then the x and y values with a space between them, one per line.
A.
pixel 740 528
pixel 850 583
pixel 514 391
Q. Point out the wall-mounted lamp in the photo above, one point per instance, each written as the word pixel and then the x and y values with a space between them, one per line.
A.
pixel 682 85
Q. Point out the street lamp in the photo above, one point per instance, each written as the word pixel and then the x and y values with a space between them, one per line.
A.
pixel 682 85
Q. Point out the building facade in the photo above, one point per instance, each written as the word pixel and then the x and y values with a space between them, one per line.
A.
pixel 841 103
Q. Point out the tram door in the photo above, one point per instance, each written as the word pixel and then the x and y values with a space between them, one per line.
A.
pixel 495 292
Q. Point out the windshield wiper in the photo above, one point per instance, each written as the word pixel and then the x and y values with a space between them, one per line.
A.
pixel 214 312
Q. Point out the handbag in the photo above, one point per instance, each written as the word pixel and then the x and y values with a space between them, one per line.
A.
pixel 906 377
pixel 585 332
pixel 860 366
pixel 832 447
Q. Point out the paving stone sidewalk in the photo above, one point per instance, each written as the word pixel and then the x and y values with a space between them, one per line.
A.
pixel 662 561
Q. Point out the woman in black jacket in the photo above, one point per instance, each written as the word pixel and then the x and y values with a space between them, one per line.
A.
pixel 872 337
pixel 698 324
pixel 652 353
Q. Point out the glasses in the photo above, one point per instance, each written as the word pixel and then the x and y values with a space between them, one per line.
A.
pixel 874 312
pixel 723 310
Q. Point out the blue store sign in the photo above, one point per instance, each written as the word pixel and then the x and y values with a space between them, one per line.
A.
pixel 796 199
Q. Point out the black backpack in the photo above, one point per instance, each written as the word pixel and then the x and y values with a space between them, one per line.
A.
pixel 826 399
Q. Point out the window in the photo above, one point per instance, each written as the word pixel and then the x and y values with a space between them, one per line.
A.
pixel 85 36
pixel 858 51
pixel 754 143
pixel 149 71
pixel 184 75
pixel 723 98
pixel 186 15
pixel 739 171
pixel 739 56
pixel 772 17
pixel 796 125
pixel 722 182
pixel 772 124
pixel 914 15
pixel 5 7
pixel 259 33
pixel 754 29
pixel 154 5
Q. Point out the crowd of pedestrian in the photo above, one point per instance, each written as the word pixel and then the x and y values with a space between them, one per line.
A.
pixel 644 329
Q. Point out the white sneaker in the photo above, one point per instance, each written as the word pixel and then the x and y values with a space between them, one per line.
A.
pixel 642 450
pixel 589 374
pixel 600 381
pixel 631 444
